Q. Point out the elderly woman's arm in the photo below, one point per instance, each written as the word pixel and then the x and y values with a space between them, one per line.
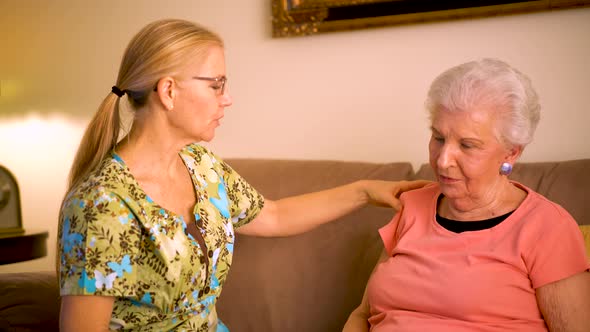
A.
pixel 358 321
pixel 565 304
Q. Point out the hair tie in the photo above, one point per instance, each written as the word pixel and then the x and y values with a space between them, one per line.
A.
pixel 120 93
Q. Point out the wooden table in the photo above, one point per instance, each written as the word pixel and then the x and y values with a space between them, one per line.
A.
pixel 21 247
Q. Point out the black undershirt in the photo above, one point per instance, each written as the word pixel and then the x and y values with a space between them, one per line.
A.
pixel 456 226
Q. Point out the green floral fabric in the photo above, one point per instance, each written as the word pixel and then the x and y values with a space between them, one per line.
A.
pixel 116 241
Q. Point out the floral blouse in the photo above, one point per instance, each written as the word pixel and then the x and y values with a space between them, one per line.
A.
pixel 116 241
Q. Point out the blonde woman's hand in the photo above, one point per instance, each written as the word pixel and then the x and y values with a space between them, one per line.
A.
pixel 387 193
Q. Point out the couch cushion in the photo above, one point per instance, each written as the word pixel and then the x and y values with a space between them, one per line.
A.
pixel 29 302
pixel 586 233
pixel 566 183
pixel 310 282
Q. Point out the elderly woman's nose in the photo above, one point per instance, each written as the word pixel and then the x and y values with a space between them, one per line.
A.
pixel 445 156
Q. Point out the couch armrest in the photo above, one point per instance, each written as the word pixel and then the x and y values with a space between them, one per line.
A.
pixel 29 301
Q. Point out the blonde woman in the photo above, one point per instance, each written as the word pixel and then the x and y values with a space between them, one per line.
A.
pixel 147 224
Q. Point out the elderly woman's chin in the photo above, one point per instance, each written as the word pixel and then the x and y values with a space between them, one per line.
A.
pixel 451 187
pixel 452 190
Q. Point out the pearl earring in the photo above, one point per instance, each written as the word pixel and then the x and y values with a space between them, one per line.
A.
pixel 506 169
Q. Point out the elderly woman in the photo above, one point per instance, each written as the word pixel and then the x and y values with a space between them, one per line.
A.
pixel 476 251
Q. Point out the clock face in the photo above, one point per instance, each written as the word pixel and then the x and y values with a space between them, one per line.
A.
pixel 10 217
pixel 4 194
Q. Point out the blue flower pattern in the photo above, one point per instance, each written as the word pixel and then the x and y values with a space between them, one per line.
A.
pixel 221 203
pixel 109 263
pixel 69 240
pixel 124 266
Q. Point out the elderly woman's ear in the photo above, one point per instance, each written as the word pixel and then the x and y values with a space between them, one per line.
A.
pixel 514 153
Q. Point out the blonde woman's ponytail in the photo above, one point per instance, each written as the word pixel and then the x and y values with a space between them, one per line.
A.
pixel 98 140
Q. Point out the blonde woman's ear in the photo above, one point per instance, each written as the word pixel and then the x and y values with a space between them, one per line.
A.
pixel 165 90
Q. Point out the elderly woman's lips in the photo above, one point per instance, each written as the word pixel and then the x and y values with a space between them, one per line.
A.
pixel 446 179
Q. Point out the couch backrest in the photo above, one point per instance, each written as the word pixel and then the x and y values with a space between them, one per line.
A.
pixel 310 282
pixel 566 183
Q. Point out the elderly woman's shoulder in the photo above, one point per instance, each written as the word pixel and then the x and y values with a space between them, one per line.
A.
pixel 546 207
pixel 544 213
pixel 430 190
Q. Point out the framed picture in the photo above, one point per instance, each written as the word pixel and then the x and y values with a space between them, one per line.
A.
pixel 308 17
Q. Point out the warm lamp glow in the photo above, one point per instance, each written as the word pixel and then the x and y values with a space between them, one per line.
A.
pixel 39 151
pixel 25 140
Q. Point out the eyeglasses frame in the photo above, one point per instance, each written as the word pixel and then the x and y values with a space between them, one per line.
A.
pixel 220 79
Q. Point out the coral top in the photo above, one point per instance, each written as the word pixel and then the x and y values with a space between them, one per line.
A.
pixel 437 280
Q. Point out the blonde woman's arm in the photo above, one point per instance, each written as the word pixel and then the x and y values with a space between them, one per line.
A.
pixel 87 313
pixel 297 214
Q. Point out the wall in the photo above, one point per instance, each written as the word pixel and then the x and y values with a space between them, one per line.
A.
pixel 353 95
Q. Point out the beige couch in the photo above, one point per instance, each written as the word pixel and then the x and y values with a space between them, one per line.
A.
pixel 304 283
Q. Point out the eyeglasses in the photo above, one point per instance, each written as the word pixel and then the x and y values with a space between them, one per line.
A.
pixel 221 80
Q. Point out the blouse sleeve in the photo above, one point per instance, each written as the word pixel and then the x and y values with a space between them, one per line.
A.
pixel 389 233
pixel 245 202
pixel 98 243
pixel 557 250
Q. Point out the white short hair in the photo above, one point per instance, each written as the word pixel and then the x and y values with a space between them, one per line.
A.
pixel 491 83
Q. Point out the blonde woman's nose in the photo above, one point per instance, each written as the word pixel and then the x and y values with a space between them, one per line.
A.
pixel 226 99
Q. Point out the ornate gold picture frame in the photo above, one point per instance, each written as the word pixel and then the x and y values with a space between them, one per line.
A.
pixel 308 17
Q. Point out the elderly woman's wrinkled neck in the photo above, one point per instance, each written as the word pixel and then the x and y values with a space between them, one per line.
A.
pixel 471 211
